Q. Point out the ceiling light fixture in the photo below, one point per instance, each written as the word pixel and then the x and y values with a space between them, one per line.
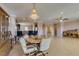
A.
pixel 60 18
pixel 34 14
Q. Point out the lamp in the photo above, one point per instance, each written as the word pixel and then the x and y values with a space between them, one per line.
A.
pixel 34 15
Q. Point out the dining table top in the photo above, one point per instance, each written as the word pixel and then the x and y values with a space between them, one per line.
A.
pixel 33 40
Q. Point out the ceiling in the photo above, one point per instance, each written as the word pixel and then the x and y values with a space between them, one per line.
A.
pixel 48 12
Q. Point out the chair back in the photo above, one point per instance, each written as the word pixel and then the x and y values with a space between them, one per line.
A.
pixel 45 43
pixel 25 36
pixel 23 44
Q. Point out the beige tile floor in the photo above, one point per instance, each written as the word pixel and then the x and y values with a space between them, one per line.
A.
pixel 16 51
pixel 58 47
pixel 64 47
pixel 5 47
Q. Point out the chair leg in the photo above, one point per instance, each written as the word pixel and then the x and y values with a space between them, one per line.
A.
pixel 27 54
pixel 45 52
pixel 42 53
pixel 31 54
pixel 36 52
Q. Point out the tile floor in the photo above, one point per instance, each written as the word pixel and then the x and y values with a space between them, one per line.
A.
pixel 58 47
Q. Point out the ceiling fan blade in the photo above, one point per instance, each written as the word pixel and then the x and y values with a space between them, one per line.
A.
pixel 66 19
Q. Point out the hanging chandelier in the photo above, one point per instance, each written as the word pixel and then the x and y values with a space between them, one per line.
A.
pixel 34 14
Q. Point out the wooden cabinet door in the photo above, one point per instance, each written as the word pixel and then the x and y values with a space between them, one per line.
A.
pixel 5 44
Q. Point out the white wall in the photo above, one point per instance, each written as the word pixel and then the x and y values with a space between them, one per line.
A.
pixel 68 26
pixel 22 27
pixel 71 25
pixel 44 31
pixel 40 30
pixel 12 26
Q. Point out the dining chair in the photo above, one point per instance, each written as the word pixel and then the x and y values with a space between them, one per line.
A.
pixel 25 36
pixel 44 46
pixel 28 50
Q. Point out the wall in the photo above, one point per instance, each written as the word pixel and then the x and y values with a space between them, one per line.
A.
pixel 22 27
pixel 52 30
pixel 58 30
pixel 71 25
pixel 68 26
pixel 12 26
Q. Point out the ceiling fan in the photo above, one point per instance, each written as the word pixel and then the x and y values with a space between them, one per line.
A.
pixel 61 18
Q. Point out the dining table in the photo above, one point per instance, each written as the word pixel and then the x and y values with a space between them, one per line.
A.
pixel 34 41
